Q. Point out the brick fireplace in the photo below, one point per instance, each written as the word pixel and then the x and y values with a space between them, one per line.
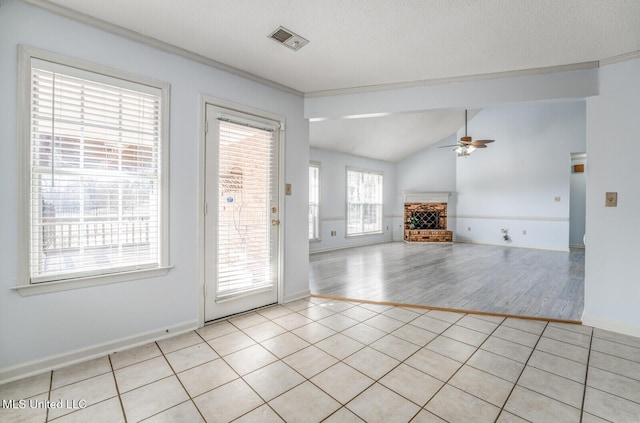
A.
pixel 425 217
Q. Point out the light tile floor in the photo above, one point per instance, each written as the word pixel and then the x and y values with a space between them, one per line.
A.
pixel 324 360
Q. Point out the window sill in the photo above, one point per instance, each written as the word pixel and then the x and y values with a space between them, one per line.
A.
pixel 47 287
pixel 314 240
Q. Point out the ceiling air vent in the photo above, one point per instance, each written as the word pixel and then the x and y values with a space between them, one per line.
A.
pixel 288 38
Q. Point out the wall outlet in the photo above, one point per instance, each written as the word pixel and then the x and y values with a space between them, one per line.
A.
pixel 333 233
pixel 556 199
pixel 469 228
pixel 524 232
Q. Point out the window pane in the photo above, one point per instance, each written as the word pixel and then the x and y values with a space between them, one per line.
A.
pixel 314 201
pixel 95 176
pixel 364 198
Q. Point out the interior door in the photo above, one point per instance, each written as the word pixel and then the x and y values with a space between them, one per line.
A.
pixel 241 212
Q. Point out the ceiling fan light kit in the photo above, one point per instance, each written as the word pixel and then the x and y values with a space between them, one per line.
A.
pixel 466 145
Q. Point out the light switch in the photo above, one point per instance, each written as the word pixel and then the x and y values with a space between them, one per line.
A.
pixel 611 199
pixel 287 189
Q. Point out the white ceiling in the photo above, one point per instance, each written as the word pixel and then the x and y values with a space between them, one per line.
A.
pixel 390 138
pixel 359 43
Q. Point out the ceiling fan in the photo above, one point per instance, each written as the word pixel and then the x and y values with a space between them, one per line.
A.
pixel 466 145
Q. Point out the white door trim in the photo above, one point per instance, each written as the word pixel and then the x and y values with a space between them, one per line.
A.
pixel 200 197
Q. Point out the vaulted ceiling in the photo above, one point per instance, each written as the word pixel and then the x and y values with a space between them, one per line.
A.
pixel 373 43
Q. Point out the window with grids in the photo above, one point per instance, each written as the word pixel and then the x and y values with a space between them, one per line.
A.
pixel 364 202
pixel 96 173
pixel 314 201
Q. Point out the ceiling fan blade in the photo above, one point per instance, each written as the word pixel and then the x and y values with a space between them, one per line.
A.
pixel 445 146
pixel 484 141
pixel 478 145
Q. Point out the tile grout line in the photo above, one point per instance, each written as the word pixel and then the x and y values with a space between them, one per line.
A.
pixel 46 416
pixel 115 381
pixel 463 364
pixel 400 362
pixel 335 313
pixel 586 376
pixel 386 334
pixel 180 381
pixel 520 375
pixel 241 377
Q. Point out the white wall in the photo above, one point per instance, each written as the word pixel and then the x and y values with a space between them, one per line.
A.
pixel 612 279
pixel 67 324
pixel 333 199
pixel 513 184
pixel 577 204
pixel 432 169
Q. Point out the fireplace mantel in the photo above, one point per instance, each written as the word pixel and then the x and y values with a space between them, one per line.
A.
pixel 426 197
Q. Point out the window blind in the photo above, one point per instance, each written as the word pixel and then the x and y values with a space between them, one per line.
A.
pixel 95 173
pixel 314 201
pixel 364 202
pixel 245 239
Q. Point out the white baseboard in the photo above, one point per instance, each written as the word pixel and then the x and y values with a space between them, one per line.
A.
pixel 506 244
pixel 611 325
pixel 32 368
pixel 296 296
pixel 342 247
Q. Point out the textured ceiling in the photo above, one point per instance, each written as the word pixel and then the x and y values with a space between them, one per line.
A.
pixel 357 43
pixel 367 43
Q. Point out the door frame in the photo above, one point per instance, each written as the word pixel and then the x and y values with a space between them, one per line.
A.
pixel 204 100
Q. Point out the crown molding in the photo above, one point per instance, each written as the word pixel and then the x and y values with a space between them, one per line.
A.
pixel 153 42
pixel 620 58
pixel 455 79
pixel 170 48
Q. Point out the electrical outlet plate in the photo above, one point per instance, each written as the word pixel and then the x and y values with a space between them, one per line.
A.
pixel 611 199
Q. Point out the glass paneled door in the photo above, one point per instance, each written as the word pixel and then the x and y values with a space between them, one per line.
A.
pixel 242 226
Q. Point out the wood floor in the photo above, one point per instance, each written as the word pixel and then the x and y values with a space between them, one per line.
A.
pixel 515 281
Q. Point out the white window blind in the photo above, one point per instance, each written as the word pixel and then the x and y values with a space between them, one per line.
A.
pixel 245 235
pixel 364 202
pixel 314 201
pixel 95 174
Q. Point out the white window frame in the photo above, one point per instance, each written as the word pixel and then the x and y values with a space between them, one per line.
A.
pixel 317 165
pixel 24 285
pixel 347 204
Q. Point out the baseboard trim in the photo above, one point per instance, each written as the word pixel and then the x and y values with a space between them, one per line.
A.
pixel 32 368
pixel 506 244
pixel 454 310
pixel 297 296
pixel 611 325
pixel 343 247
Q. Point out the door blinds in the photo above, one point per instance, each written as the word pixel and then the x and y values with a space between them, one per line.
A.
pixel 94 174
pixel 245 235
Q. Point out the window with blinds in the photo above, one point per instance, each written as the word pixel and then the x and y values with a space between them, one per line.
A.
pixel 314 201
pixel 96 174
pixel 364 202
pixel 246 239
